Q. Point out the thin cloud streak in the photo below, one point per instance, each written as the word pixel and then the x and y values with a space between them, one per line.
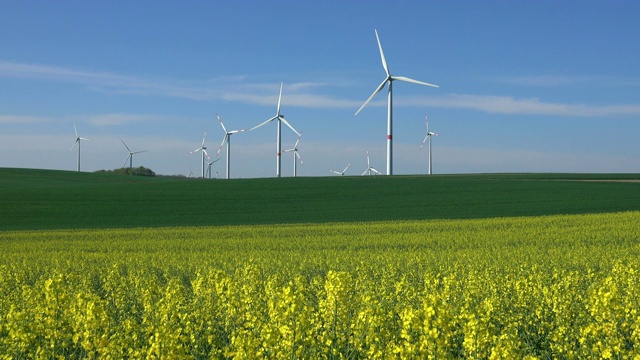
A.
pixel 508 105
pixel 295 94
pixel 22 119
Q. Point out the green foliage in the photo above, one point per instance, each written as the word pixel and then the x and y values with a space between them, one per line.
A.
pixel 139 171
pixel 39 199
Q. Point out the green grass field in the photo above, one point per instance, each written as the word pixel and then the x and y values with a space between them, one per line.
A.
pixel 47 199
pixel 534 266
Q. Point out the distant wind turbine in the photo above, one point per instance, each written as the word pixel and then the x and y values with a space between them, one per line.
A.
pixel 296 156
pixel 78 139
pixel 209 163
pixel 370 168
pixel 389 79
pixel 227 139
pixel 204 152
pixel 428 137
pixel 281 120
pixel 341 173
pixel 130 157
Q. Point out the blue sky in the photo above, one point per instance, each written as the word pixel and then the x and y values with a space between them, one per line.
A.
pixel 525 86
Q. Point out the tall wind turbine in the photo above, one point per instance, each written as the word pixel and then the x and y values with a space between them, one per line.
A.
pixel 131 153
pixel 295 155
pixel 389 79
pixel 204 152
pixel 370 168
pixel 227 139
pixel 428 137
pixel 341 173
pixel 209 163
pixel 281 120
pixel 78 139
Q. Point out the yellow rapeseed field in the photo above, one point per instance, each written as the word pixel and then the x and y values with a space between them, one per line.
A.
pixel 527 287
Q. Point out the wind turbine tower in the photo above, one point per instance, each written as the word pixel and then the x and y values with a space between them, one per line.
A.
pixel 296 156
pixel 428 137
pixel 131 153
pixel 227 139
pixel 281 120
pixel 78 140
pixel 389 79
pixel 204 152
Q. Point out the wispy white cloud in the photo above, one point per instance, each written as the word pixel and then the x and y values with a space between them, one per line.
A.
pixel 123 119
pixel 567 80
pixel 304 94
pixel 513 106
pixel 22 119
pixel 226 88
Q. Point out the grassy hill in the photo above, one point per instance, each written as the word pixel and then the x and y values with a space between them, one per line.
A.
pixel 48 199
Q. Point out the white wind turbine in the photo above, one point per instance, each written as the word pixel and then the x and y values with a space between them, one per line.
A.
pixel 341 173
pixel 209 163
pixel 204 152
pixel 428 137
pixel 227 139
pixel 131 153
pixel 281 120
pixel 78 139
pixel 295 155
pixel 389 79
pixel 370 168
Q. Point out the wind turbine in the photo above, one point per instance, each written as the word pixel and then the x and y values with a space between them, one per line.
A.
pixel 131 153
pixel 78 139
pixel 227 139
pixel 204 151
pixel 295 155
pixel 343 171
pixel 209 163
pixel 389 79
pixel 428 137
pixel 281 120
pixel 369 168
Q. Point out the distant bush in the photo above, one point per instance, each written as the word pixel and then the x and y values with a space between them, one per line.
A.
pixel 139 171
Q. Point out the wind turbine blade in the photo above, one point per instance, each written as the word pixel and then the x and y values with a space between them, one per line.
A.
pixel 205 152
pixel 345 169
pixel 74 144
pixel 235 131
pixel 81 138
pixel 264 123
pixel 195 151
pixel 219 119
pixel 125 145
pixel 364 172
pixel 289 125
pixel 214 161
pixel 409 80
pixel 203 139
pixel 279 99
pixel 222 144
pixel 126 161
pixel 376 171
pixel 384 61
pixel 76 130
pixel 139 152
pixel 380 87
pixel 424 141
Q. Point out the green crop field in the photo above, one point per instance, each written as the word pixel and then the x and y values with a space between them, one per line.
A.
pixel 40 199
pixel 484 266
